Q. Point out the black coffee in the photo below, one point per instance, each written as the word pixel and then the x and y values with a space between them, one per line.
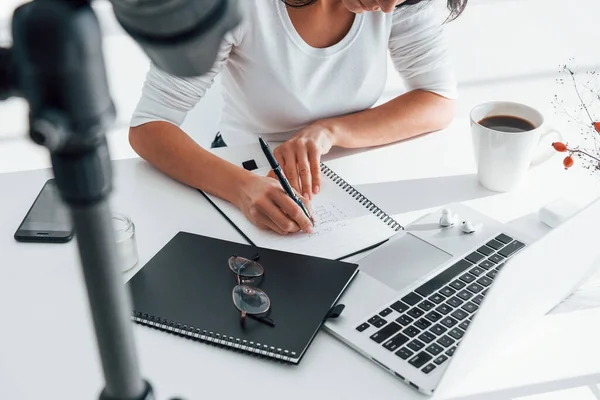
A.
pixel 507 123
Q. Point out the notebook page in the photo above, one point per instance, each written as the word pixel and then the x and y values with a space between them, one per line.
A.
pixel 342 225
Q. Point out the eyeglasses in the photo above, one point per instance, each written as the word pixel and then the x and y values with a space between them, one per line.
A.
pixel 249 300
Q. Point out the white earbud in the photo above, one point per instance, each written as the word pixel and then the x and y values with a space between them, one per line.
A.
pixel 448 218
pixel 468 227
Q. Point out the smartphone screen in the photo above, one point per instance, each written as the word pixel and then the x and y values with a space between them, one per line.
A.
pixel 48 219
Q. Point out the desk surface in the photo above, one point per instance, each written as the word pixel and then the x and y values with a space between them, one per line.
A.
pixel 47 346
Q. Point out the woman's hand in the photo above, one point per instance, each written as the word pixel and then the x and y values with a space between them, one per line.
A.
pixel 300 158
pixel 360 6
pixel 264 202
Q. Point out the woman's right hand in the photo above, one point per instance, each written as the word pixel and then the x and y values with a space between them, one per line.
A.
pixel 264 202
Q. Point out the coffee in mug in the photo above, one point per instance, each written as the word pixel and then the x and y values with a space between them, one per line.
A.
pixel 507 123
pixel 508 138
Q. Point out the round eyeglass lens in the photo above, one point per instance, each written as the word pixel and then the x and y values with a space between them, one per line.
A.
pixel 251 300
pixel 244 267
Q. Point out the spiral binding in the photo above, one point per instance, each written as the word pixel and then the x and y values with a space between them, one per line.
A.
pixel 338 180
pixel 259 349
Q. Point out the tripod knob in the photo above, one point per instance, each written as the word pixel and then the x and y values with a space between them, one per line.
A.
pixel 49 131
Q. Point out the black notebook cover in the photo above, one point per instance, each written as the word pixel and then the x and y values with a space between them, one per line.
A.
pixel 186 288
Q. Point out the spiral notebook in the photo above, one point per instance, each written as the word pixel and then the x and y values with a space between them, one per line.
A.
pixel 347 222
pixel 186 289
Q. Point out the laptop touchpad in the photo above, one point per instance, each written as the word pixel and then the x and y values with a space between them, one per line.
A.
pixel 402 260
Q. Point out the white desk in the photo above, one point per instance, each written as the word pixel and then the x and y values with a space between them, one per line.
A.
pixel 47 347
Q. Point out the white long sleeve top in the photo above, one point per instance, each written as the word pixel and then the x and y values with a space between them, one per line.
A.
pixel 274 83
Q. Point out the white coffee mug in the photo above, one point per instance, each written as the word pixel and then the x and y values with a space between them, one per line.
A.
pixel 504 158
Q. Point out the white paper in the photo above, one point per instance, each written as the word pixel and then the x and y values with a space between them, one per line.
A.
pixel 343 225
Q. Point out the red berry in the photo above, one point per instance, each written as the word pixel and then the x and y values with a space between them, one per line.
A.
pixel 597 126
pixel 559 146
pixel 568 162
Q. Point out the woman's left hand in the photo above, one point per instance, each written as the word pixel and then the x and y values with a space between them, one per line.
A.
pixel 300 158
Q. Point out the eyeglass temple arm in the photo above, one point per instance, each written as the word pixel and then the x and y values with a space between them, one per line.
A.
pixel 264 320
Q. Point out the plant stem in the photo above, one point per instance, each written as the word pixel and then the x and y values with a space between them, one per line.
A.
pixel 579 95
pixel 583 152
pixel 592 91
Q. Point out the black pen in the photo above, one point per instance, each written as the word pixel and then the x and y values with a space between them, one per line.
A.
pixel 284 182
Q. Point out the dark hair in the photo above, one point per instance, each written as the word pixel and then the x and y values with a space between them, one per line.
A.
pixel 456 7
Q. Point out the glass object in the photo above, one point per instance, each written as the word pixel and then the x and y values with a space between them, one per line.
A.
pixel 249 300
pixel 125 240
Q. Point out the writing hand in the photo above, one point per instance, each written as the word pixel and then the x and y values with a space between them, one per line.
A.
pixel 264 203
pixel 300 158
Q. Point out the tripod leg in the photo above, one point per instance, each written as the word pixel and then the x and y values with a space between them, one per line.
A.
pixel 110 303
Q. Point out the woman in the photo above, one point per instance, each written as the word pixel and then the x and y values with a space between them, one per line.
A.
pixel 305 72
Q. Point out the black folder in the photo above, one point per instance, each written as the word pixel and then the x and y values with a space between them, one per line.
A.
pixel 186 289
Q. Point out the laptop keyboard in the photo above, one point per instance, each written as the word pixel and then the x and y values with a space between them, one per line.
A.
pixel 425 326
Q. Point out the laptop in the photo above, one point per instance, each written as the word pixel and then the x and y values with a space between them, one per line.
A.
pixel 433 302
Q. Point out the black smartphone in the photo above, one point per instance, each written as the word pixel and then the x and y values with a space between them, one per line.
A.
pixel 48 220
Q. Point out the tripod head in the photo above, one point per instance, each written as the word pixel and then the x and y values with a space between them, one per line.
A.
pixel 56 63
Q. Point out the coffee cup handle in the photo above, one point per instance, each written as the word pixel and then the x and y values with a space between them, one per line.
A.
pixel 545 149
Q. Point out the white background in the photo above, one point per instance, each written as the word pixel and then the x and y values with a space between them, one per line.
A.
pixel 503 49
